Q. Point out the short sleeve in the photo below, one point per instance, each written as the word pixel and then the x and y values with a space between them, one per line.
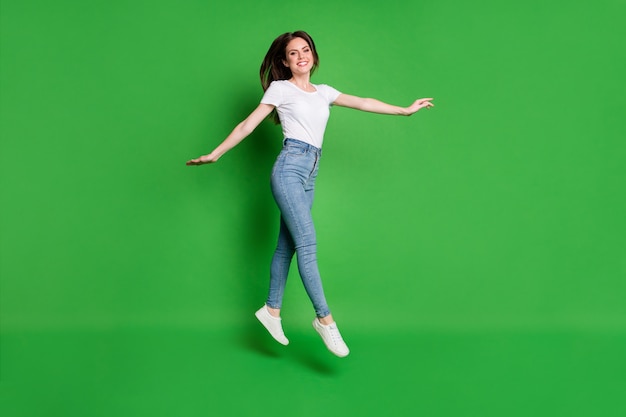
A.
pixel 273 95
pixel 329 93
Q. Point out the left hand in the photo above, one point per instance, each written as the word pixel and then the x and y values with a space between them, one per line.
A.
pixel 419 104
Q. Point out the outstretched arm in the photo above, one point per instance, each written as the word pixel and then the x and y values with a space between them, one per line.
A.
pixel 239 133
pixel 376 106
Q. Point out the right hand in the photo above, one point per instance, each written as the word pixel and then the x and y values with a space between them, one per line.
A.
pixel 204 159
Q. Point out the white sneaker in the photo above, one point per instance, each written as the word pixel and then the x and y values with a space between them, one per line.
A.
pixel 332 338
pixel 272 324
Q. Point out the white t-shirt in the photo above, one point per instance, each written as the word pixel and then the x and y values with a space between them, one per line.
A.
pixel 303 116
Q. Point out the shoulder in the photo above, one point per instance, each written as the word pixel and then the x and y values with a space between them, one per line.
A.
pixel 278 84
pixel 329 92
pixel 274 94
pixel 324 87
pixel 278 87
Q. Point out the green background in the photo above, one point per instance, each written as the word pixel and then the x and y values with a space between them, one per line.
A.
pixel 474 255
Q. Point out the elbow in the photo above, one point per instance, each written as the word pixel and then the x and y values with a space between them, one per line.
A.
pixel 366 104
pixel 245 128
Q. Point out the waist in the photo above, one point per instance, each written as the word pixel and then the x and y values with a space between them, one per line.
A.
pixel 302 145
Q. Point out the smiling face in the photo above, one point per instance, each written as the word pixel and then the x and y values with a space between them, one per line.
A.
pixel 299 57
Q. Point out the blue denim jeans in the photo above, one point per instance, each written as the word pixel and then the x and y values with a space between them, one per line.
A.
pixel 293 186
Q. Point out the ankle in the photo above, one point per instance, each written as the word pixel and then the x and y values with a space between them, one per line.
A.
pixel 326 320
pixel 274 312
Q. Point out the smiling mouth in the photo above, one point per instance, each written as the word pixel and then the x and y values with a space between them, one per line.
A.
pixel 303 63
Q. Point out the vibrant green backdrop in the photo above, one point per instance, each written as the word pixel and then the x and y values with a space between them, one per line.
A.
pixel 473 254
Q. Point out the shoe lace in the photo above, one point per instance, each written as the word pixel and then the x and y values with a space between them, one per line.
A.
pixel 335 335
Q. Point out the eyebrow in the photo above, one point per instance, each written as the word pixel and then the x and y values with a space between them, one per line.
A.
pixel 295 49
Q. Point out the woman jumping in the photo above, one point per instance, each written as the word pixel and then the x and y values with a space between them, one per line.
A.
pixel 302 109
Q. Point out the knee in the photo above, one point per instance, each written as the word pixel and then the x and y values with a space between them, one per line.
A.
pixel 284 251
pixel 307 249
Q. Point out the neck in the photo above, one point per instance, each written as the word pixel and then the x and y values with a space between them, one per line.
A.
pixel 302 81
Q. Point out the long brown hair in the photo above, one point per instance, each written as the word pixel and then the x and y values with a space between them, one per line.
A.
pixel 273 69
